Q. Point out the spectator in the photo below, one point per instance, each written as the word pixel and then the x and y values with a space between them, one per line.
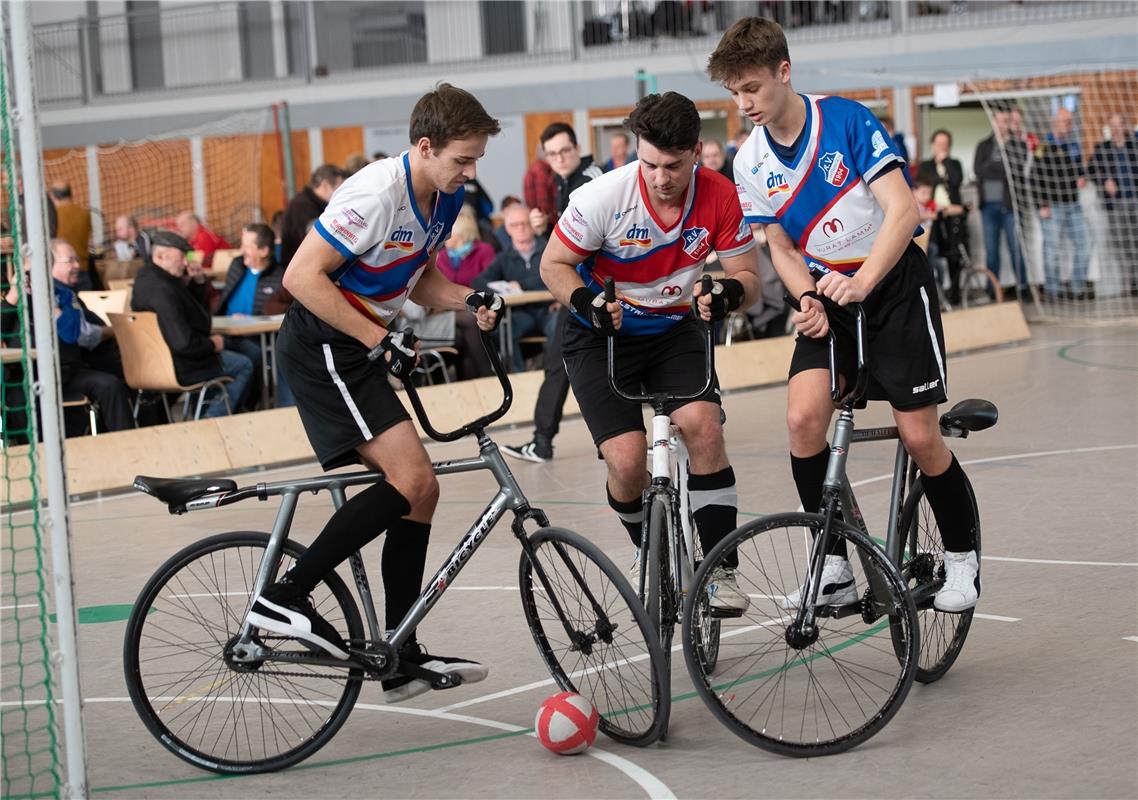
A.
pixel 308 204
pixel 519 265
pixel 465 258
pixel 501 235
pixel 1114 169
pixel 476 199
pixel 253 278
pixel 355 162
pixel 277 224
pixel 130 243
pixel 1056 177
pixel 949 236
pixel 713 157
pixel 6 244
pixel 74 226
pixel 540 193
pixel 926 206
pixel 379 155
pixel 619 151
pixel 997 210
pixel 897 137
pixel 185 322
pixel 201 238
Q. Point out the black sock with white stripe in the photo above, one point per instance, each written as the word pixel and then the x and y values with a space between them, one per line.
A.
pixel 356 523
pixel 950 495
pixel 809 475
pixel 631 515
pixel 404 557
pixel 715 506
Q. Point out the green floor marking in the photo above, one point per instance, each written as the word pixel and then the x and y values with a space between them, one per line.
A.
pixel 1064 353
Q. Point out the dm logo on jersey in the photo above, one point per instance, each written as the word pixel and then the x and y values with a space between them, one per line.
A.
pixel 833 168
pixel 401 239
pixel 695 242
pixel 637 236
pixel 776 183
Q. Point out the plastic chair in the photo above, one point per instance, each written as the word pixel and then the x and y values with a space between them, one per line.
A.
pixel 104 303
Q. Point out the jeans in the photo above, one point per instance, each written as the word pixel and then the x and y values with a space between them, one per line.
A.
pixel 999 220
pixel 1066 221
pixel 250 347
pixel 240 368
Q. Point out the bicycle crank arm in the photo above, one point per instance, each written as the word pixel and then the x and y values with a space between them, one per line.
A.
pixel 438 680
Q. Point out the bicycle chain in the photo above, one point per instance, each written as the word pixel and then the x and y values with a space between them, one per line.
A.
pixel 367 676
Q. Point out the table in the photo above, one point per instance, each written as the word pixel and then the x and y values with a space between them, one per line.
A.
pixel 264 326
pixel 506 341
pixel 11 355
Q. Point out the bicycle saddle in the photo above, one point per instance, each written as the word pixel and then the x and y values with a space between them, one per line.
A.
pixel 970 415
pixel 176 492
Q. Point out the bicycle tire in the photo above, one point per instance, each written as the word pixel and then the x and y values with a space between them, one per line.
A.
pixel 942 634
pixel 974 283
pixel 188 597
pixel 708 629
pixel 636 711
pixel 660 602
pixel 852 644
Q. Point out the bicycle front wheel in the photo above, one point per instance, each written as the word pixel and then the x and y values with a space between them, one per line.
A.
pixel 594 635
pixel 790 689
pixel 219 714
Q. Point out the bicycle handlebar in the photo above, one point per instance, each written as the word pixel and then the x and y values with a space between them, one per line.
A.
pixel 855 310
pixel 709 361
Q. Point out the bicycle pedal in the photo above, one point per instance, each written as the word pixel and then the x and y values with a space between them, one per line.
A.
pixel 725 613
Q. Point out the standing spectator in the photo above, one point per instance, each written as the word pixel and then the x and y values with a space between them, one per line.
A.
pixel 997 211
pixel 714 158
pixel 540 194
pixel 464 259
pixel 572 170
pixel 519 264
pixel 201 238
pixel 74 226
pixel 130 242
pixel 619 151
pixel 949 237
pixel 897 137
pixel 308 204
pixel 1056 177
pixel 185 322
pixel 6 243
pixel 1114 168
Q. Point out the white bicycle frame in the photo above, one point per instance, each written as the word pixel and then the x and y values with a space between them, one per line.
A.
pixel 669 457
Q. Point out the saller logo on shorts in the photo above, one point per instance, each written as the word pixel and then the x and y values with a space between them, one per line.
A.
pixel 924 387
pixel 833 168
pixel 695 242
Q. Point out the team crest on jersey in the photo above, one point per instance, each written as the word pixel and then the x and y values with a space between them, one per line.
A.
pixel 695 242
pixel 400 239
pixel 833 167
pixel 878 143
pixel 434 236
pixel 776 184
pixel 637 236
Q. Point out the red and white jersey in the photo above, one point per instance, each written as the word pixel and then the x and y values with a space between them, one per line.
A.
pixel 612 226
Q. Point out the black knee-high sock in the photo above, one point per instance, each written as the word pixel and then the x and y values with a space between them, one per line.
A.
pixel 404 557
pixel 715 506
pixel 631 515
pixel 950 495
pixel 809 475
pixel 360 520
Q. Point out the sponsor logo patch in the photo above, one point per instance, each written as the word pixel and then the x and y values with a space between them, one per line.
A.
pixel 744 232
pixel 637 236
pixel 924 387
pixel 776 184
pixel 578 217
pixel 354 218
pixel 832 227
pixel 833 167
pixel 341 230
pixel 879 145
pixel 695 242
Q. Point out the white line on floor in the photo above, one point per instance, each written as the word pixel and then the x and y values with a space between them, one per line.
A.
pixel 997 618
pixel 1130 638
pixel 22 605
pixel 1067 563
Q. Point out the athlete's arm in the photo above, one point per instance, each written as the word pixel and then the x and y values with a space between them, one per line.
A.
pixel 559 273
pixel 435 291
pixel 791 268
pixel 307 279
pixel 901 219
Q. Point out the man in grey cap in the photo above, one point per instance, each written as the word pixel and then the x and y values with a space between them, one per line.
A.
pixel 185 321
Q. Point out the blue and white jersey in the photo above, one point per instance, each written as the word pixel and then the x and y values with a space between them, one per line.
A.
pixel 822 198
pixel 373 221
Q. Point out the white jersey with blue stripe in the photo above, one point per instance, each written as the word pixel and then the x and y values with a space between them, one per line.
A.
pixel 375 224
pixel 821 198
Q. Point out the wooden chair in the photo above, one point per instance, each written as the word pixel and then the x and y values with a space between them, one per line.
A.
pixel 77 400
pixel 149 365
pixel 103 303
pixel 111 270
pixel 219 265
pixel 116 285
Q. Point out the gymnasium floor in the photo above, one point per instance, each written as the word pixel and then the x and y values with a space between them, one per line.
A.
pixel 1043 701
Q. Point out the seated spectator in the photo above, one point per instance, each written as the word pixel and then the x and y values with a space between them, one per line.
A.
pixel 185 322
pixel 519 265
pixel 463 259
pixel 74 226
pixel 305 206
pixel 619 150
pixel 130 243
pixel 715 158
pixel 200 237
pixel 253 278
pixel 501 236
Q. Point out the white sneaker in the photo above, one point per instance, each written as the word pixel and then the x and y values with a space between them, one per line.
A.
pixel 724 592
pixel 634 571
pixel 961 587
pixel 837 588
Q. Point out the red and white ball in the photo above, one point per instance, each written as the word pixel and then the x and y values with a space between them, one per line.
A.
pixel 566 724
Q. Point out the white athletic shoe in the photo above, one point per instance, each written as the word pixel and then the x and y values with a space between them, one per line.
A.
pixel 723 589
pixel 961 587
pixel 404 687
pixel 838 586
pixel 278 613
pixel 634 571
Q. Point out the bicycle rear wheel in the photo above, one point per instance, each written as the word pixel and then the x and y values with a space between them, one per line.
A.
pixel 214 713
pixel 942 634
pixel 789 691
pixel 594 635
pixel 979 287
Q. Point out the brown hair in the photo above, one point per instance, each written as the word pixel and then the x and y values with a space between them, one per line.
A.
pixel 449 113
pixel 265 236
pixel 668 121
pixel 749 43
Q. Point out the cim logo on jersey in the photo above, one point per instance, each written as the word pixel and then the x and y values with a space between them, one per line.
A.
pixel 832 227
pixel 776 184
pixel 637 236
pixel 834 168
pixel 695 242
pixel 401 239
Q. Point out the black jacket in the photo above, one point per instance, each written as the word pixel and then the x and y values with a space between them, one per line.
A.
pixel 953 177
pixel 990 168
pixel 584 173
pixel 268 283
pixel 304 207
pixel 1111 161
pixel 510 265
pixel 1055 174
pixel 183 319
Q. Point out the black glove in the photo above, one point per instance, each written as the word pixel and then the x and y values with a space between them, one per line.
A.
pixel 487 299
pixel 591 307
pixel 397 352
pixel 726 296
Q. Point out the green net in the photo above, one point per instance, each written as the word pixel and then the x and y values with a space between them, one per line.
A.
pixel 28 722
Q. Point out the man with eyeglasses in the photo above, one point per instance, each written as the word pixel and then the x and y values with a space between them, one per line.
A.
pixel 571 170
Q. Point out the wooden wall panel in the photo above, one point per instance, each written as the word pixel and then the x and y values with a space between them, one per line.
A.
pixel 272 193
pixel 538 122
pixel 340 144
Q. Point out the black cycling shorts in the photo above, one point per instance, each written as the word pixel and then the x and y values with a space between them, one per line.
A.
pixel 904 339
pixel 673 361
pixel 344 400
